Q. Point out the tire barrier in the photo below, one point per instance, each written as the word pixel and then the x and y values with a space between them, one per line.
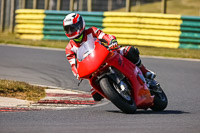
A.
pixel 144 29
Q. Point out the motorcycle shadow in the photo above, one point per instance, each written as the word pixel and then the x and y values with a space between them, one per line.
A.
pixel 153 112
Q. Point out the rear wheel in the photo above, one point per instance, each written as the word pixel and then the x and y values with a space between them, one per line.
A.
pixel 119 97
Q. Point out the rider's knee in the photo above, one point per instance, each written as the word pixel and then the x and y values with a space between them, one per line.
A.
pixel 133 55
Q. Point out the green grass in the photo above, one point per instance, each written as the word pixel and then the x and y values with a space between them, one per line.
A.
pixel 152 51
pixel 168 52
pixel 21 90
pixel 183 7
pixel 8 38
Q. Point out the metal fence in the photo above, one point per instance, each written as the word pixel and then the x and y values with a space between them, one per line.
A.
pixel 8 7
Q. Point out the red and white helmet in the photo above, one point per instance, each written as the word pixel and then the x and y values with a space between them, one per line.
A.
pixel 74 25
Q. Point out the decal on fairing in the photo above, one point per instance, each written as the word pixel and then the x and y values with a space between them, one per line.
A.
pixel 120 61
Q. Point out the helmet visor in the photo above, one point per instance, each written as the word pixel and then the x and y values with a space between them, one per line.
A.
pixel 70 29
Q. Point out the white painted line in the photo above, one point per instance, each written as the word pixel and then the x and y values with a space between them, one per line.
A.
pixel 61 89
pixel 33 47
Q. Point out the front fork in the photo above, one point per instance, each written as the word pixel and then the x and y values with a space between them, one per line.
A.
pixel 153 85
pixel 118 78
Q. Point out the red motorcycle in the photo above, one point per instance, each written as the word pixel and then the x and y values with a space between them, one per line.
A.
pixel 117 79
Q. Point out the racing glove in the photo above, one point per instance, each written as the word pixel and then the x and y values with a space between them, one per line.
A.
pixel 113 44
pixel 77 77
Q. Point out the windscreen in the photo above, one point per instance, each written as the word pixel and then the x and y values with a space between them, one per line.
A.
pixel 85 49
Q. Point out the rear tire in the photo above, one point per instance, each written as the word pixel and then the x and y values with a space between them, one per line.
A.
pixel 113 95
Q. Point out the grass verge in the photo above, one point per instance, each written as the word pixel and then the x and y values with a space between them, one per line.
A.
pixel 21 90
pixel 8 38
pixel 170 52
pixel 150 51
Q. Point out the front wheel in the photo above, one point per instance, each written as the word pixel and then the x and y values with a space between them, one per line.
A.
pixel 160 98
pixel 122 100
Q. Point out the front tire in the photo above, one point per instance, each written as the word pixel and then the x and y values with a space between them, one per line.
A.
pixel 160 99
pixel 109 89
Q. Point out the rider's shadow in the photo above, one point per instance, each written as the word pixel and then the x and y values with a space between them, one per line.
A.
pixel 153 112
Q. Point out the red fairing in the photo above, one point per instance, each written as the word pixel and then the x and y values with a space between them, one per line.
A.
pixel 97 62
pixel 141 93
pixel 92 62
pixel 72 47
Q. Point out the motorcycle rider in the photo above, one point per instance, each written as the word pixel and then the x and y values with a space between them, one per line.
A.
pixel 74 26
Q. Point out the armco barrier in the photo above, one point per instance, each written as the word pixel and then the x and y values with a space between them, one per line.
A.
pixel 145 29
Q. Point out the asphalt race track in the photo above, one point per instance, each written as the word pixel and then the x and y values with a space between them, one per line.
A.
pixel 180 79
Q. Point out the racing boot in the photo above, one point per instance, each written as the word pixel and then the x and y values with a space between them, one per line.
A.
pixel 132 54
pixel 146 72
pixel 96 96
